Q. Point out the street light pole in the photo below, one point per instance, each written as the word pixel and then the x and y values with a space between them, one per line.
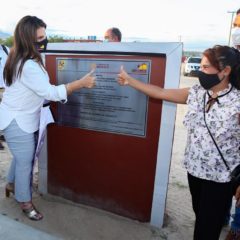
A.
pixel 180 38
pixel 229 38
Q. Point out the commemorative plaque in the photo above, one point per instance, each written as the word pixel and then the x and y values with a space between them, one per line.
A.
pixel 108 106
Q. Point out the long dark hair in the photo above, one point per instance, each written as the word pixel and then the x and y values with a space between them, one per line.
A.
pixel 222 56
pixel 25 35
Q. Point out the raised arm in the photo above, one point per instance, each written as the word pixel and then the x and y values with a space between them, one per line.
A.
pixel 171 95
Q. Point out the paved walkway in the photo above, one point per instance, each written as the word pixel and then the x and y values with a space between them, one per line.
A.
pixel 12 230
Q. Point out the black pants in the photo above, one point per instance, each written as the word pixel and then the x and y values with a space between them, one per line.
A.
pixel 210 201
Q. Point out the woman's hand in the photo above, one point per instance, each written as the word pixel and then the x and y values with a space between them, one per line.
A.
pixel 123 77
pixel 171 95
pixel 88 81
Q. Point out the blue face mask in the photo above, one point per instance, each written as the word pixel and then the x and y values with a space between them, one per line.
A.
pixel 208 81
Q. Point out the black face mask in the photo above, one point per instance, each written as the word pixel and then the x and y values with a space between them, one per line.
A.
pixel 208 81
pixel 41 46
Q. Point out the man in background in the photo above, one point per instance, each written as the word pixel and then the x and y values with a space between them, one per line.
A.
pixel 236 31
pixel 236 38
pixel 113 35
pixel 236 22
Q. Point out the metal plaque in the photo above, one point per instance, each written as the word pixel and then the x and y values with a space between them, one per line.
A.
pixel 108 106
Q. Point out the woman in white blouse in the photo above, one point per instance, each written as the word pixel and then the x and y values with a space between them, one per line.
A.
pixel 218 98
pixel 27 85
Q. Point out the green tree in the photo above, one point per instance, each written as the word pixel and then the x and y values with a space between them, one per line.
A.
pixel 55 38
pixel 9 41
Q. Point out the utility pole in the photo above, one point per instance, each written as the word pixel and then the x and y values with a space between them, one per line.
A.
pixel 180 38
pixel 229 37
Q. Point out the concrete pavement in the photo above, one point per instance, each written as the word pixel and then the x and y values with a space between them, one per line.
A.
pixel 13 230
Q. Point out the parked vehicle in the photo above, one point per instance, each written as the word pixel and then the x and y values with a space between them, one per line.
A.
pixel 192 66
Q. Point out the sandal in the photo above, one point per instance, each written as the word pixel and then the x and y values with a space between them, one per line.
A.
pixel 32 213
pixel 9 189
pixel 1 146
pixel 2 138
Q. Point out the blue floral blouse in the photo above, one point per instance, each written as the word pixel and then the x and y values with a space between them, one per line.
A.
pixel 202 158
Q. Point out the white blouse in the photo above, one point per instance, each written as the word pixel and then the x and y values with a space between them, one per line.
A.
pixel 202 158
pixel 22 101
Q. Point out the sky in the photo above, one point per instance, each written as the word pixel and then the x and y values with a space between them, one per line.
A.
pixel 197 23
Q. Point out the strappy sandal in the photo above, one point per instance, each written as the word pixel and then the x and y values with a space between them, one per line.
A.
pixel 9 189
pixel 32 213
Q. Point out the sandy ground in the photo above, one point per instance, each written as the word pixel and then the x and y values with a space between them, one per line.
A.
pixel 70 221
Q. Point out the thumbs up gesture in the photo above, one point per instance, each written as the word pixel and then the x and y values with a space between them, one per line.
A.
pixel 123 78
pixel 88 81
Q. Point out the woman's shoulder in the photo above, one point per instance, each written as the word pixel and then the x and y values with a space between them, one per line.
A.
pixel 235 96
pixel 195 90
pixel 236 91
pixel 32 65
pixel 195 96
pixel 196 87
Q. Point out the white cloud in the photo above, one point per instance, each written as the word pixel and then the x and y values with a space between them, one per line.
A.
pixel 165 20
